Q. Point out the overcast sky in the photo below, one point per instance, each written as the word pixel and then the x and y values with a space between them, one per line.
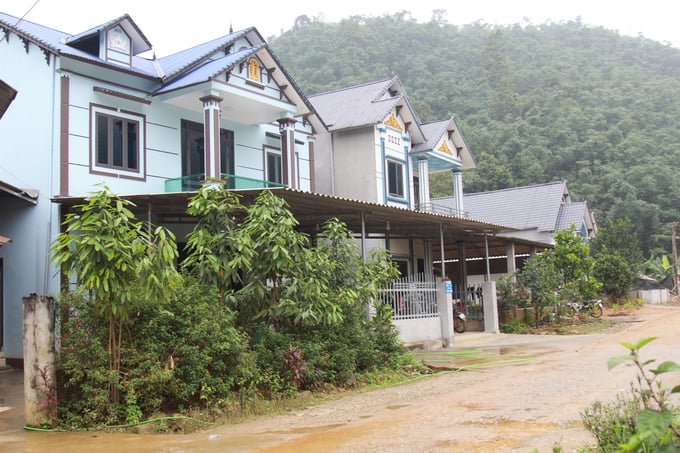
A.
pixel 173 26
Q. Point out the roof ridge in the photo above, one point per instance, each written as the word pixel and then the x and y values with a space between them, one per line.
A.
pixel 360 85
pixel 508 189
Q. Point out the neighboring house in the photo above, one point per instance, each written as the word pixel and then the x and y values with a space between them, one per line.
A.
pixel 88 109
pixel 536 213
pixel 375 149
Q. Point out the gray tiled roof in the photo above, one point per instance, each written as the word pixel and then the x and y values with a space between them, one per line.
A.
pixel 530 207
pixel 433 132
pixel 356 106
pixel 571 213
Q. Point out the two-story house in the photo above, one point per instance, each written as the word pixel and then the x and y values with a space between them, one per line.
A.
pixel 376 149
pixel 90 109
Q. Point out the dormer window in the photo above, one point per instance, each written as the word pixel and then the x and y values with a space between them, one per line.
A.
pixel 118 46
pixel 254 73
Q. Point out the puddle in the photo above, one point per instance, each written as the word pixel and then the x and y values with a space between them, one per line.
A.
pixel 396 406
pixel 305 429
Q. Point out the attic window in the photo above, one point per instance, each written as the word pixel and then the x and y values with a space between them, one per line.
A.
pixel 118 46
pixel 254 72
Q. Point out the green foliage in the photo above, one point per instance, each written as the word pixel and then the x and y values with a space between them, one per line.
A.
pixel 217 249
pixel 615 273
pixel 618 237
pixel 121 264
pixel 657 267
pixel 541 276
pixel 536 102
pixel 644 422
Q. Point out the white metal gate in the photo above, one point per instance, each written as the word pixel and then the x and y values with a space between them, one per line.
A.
pixel 412 297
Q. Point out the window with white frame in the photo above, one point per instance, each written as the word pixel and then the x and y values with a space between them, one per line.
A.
pixel 395 179
pixel 117 142
pixel 274 166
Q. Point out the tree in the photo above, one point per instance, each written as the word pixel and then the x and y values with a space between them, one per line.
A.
pixel 618 237
pixel 615 273
pixel 280 253
pixel 542 278
pixel 118 263
pixel 575 266
pixel 218 250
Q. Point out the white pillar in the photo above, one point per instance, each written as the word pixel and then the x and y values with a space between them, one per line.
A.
pixel 445 306
pixel 491 324
pixel 211 136
pixel 458 191
pixel 287 130
pixel 424 184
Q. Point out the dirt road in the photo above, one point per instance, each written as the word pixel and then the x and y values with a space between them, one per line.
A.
pixel 533 403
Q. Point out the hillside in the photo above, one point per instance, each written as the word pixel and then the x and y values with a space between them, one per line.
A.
pixel 536 102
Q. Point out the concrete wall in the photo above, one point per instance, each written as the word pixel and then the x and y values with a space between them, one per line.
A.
pixel 652 296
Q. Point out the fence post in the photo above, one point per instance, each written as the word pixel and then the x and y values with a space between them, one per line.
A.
pixel 445 307
pixel 40 394
pixel 490 307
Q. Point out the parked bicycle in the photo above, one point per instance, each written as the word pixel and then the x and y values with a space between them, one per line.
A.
pixel 592 307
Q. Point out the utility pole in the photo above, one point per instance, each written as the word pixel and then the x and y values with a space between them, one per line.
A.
pixel 676 271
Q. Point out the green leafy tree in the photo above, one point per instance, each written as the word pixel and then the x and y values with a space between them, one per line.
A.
pixel 219 252
pixel 615 273
pixel 541 276
pixel 278 265
pixel 118 263
pixel 621 238
pixel 575 266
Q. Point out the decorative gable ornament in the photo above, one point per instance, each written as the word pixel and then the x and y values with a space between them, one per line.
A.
pixel 392 122
pixel 444 148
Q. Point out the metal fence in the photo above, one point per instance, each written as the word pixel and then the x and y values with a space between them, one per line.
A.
pixel 412 297
pixel 470 301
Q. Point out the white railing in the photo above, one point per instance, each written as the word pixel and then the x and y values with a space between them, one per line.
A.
pixel 412 297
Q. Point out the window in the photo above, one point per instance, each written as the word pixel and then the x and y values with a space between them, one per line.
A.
pixel 254 70
pixel 274 168
pixel 117 142
pixel 395 179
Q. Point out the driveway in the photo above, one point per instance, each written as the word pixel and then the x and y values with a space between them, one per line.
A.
pixel 515 393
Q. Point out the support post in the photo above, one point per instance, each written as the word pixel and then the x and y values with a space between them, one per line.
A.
pixel 40 389
pixel 445 306
pixel 491 324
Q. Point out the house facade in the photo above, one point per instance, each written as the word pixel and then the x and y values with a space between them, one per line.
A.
pixel 376 149
pixel 90 110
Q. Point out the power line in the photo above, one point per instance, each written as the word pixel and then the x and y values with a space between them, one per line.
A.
pixel 23 17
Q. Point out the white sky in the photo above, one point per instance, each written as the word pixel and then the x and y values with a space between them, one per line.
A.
pixel 171 26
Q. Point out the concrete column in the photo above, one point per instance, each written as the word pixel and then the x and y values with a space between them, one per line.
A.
pixel 491 324
pixel 512 264
pixel 445 306
pixel 458 191
pixel 40 389
pixel 424 184
pixel 287 130
pixel 211 136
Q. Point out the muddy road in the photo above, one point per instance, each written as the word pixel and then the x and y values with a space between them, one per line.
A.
pixel 532 400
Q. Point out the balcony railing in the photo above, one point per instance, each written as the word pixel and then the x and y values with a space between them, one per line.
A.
pixel 194 182
pixel 441 209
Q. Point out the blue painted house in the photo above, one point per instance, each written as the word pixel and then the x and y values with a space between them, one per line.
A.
pixel 98 107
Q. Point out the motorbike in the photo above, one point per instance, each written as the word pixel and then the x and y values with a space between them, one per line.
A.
pixel 592 307
pixel 458 320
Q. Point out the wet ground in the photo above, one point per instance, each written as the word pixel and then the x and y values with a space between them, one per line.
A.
pixel 496 393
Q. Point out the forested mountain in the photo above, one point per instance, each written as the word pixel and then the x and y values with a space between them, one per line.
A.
pixel 536 102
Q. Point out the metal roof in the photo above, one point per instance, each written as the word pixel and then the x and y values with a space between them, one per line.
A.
pixel 312 209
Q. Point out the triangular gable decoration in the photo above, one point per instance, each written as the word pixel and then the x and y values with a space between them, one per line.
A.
pixel 444 148
pixel 392 122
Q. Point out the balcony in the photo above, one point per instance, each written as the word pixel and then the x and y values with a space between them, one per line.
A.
pixel 194 182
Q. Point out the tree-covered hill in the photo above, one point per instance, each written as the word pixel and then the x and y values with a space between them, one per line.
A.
pixel 536 102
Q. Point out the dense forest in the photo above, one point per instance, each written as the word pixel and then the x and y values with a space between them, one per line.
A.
pixel 536 102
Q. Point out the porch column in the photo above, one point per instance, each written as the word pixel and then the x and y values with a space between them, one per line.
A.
pixel 312 174
pixel 211 134
pixel 427 256
pixel 512 265
pixel 458 190
pixel 287 129
pixel 462 267
pixel 424 184
pixel 491 324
